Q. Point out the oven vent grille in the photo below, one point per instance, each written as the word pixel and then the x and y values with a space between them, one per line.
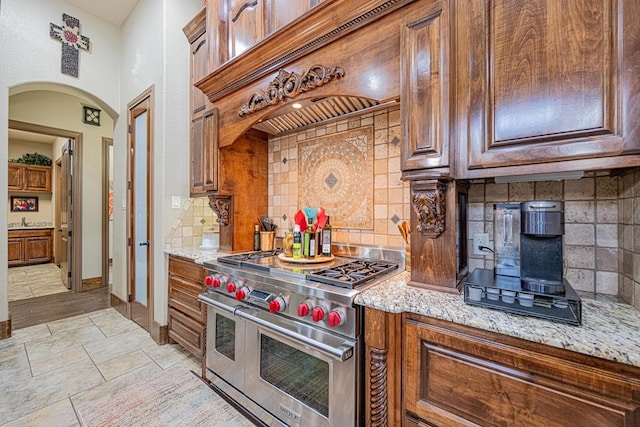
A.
pixel 314 112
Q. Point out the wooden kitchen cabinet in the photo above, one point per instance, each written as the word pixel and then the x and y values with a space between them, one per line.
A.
pixel 544 81
pixel 29 178
pixel 457 375
pixel 26 247
pixel 203 147
pixel 424 82
pixel 187 315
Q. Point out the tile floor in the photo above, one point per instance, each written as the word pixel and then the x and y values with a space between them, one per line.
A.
pixel 34 281
pixel 49 370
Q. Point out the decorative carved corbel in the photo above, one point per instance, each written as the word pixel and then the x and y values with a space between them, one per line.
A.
pixel 290 85
pixel 429 200
pixel 221 205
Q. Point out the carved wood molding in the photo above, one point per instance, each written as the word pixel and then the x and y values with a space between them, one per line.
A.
pixel 290 85
pixel 378 383
pixel 429 200
pixel 221 205
pixel 305 36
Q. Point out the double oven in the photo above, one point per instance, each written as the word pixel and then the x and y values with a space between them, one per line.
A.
pixel 283 341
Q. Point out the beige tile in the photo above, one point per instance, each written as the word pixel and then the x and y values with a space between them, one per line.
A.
pixel 548 190
pixel 579 234
pixel 579 211
pixel 59 342
pixel 117 345
pixel 581 280
pixel 123 364
pixel 606 283
pixel 607 235
pixel 65 325
pixel 521 191
pixel 58 414
pixel 607 212
pixel 606 188
pixel 579 189
pixel 607 259
pixel 497 192
pixel 45 365
pixel 580 256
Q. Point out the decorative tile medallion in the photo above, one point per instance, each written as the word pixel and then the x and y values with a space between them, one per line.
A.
pixel 336 172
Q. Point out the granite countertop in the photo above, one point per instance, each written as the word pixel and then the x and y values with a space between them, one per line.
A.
pixel 195 254
pixel 609 330
pixel 30 226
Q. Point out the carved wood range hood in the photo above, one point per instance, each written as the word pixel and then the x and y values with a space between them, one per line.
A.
pixel 338 59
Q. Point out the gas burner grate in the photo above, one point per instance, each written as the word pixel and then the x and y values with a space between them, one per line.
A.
pixel 352 274
pixel 237 259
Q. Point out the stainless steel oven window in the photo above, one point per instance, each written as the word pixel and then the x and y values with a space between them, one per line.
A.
pixel 298 374
pixel 225 337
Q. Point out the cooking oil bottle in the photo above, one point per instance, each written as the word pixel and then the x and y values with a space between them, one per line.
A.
pixel 326 239
pixel 297 242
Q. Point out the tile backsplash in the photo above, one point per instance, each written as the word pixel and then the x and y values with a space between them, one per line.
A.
pixel 355 164
pixel 602 227
pixel 195 218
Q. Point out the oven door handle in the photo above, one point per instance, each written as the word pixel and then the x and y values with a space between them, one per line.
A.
pixel 337 348
pixel 217 304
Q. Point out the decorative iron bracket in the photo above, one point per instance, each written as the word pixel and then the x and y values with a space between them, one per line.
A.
pixel 429 200
pixel 221 205
pixel 290 85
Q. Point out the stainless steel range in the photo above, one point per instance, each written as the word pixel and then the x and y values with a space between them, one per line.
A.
pixel 285 339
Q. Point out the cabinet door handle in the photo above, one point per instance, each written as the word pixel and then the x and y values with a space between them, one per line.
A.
pixel 144 243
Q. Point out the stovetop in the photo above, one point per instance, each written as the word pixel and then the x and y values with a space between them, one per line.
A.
pixel 343 272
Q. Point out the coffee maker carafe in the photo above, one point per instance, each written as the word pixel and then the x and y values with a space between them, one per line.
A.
pixel 541 246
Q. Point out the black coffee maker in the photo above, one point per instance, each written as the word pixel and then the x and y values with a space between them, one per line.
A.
pixel 542 227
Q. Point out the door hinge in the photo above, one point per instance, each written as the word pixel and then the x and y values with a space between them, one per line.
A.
pixel 130 298
pixel 71 152
pixel 70 193
pixel 129 128
pixel 69 274
pixel 128 185
pixel 69 233
pixel 128 241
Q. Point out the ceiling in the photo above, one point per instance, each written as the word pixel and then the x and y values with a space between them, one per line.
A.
pixel 114 11
pixel 21 135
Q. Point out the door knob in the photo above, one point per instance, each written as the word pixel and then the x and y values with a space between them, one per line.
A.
pixel 144 243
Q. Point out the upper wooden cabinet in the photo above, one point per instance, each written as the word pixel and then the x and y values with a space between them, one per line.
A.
pixel 424 81
pixel 203 147
pixel 246 25
pixel 542 81
pixel 29 178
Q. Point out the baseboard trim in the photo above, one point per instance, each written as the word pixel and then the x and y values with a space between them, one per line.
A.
pixel 91 283
pixel 160 334
pixel 119 305
pixel 5 328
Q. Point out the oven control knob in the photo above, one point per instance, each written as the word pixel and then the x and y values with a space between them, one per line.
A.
pixel 231 287
pixel 241 294
pixel 211 281
pixel 317 314
pixel 335 319
pixel 303 309
pixel 278 304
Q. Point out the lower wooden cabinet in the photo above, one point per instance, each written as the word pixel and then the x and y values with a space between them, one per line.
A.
pixel 187 315
pixel 455 375
pixel 26 247
pixel 421 371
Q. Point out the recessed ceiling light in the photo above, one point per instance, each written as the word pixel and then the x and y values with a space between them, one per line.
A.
pixel 296 105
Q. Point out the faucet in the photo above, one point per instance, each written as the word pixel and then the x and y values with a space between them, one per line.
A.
pixel 24 223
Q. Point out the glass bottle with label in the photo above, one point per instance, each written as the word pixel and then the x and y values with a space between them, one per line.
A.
pixel 326 239
pixel 297 242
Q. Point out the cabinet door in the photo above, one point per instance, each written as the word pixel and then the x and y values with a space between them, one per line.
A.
pixel 246 22
pixel 15 253
pixel 187 332
pixel 183 296
pixel 279 13
pixel 38 249
pixel 424 81
pixel 539 81
pixel 16 177
pixel 204 152
pixel 199 69
pixel 37 178
pixel 459 377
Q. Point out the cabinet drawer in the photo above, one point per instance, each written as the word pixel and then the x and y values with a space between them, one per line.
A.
pixel 187 269
pixel 187 332
pixel 183 296
pixel 459 378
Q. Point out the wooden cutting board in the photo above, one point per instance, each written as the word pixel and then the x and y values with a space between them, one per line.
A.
pixel 316 260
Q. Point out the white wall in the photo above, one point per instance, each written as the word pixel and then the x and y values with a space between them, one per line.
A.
pixel 31 58
pixel 148 50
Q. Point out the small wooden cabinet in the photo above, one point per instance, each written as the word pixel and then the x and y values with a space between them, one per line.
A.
pixel 542 81
pixel 29 178
pixel 26 247
pixel 187 315
pixel 457 375
pixel 203 145
pixel 424 82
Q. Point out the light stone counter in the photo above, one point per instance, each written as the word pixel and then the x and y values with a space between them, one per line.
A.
pixel 609 330
pixel 195 254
